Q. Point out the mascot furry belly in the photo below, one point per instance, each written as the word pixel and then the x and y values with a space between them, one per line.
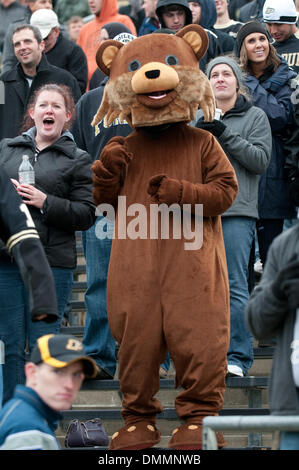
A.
pixel 169 183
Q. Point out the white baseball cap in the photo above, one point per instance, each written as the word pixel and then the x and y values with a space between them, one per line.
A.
pixel 45 20
pixel 280 11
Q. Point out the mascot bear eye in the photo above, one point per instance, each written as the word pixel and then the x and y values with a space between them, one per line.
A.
pixel 134 65
pixel 171 60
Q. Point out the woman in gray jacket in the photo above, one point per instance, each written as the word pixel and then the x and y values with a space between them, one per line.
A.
pixel 244 133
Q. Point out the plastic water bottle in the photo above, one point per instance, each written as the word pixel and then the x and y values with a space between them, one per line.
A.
pixel 26 171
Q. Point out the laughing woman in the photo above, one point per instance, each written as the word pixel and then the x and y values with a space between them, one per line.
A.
pixel 60 203
pixel 268 78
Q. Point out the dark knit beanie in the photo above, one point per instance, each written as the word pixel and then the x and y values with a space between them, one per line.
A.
pixel 249 28
pixel 228 61
pixel 113 29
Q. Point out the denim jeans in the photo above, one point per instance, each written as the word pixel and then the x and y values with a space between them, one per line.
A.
pixel 239 233
pixel 97 340
pixel 17 331
pixel 166 363
pixel 1 385
pixel 1 372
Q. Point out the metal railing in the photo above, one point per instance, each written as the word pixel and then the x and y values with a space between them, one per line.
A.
pixel 211 424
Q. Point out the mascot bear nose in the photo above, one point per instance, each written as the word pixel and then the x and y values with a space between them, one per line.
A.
pixel 152 74
pixel 166 77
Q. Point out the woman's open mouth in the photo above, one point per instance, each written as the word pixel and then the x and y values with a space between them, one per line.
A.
pixel 48 122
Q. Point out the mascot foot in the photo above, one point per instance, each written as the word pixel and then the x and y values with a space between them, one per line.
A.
pixel 189 437
pixel 140 435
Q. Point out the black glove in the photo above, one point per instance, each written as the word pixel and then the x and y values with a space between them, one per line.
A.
pixel 216 127
pixel 286 285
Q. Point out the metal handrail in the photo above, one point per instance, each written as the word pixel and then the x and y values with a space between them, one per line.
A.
pixel 211 424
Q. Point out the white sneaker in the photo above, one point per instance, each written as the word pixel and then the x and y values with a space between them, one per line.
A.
pixel 234 370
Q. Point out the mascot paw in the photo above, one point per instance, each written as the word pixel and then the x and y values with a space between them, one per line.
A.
pixel 141 435
pixel 115 156
pixel 189 437
pixel 165 190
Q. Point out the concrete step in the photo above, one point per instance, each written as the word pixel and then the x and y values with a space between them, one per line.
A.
pixel 233 441
pixel 103 399
pixel 166 423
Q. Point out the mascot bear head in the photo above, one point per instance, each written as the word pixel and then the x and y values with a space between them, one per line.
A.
pixel 155 79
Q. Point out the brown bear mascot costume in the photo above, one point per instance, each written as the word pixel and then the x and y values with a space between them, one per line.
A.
pixel 162 294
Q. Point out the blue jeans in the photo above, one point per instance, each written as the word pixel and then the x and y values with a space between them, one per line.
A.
pixel 166 363
pixel 97 340
pixel 1 386
pixel 239 233
pixel 1 374
pixel 17 331
pixel 289 441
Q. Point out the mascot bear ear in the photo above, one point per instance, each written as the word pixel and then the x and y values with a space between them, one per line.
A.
pixel 196 37
pixel 106 53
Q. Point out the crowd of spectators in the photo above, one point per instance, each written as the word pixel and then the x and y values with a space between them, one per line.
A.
pixel 252 63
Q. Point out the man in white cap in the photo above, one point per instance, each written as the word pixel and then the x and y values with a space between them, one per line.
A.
pixel 280 18
pixel 60 51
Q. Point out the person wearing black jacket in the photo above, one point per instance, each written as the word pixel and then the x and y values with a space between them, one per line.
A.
pixel 18 232
pixel 60 203
pixel 60 51
pixel 32 71
pixel 252 10
pixel 98 341
pixel 8 58
pixel 67 55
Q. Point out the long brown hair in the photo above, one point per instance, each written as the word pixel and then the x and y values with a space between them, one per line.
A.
pixel 272 59
pixel 64 91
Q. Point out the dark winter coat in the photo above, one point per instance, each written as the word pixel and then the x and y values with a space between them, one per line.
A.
pixel 251 10
pixel 17 93
pixel 93 139
pixel 63 172
pixel 273 95
pixel 67 55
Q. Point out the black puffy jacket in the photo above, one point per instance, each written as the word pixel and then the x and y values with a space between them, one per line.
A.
pixel 63 172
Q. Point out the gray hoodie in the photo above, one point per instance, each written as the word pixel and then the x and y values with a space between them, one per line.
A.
pixel 247 143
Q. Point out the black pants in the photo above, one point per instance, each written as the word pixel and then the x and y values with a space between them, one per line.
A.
pixel 267 230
